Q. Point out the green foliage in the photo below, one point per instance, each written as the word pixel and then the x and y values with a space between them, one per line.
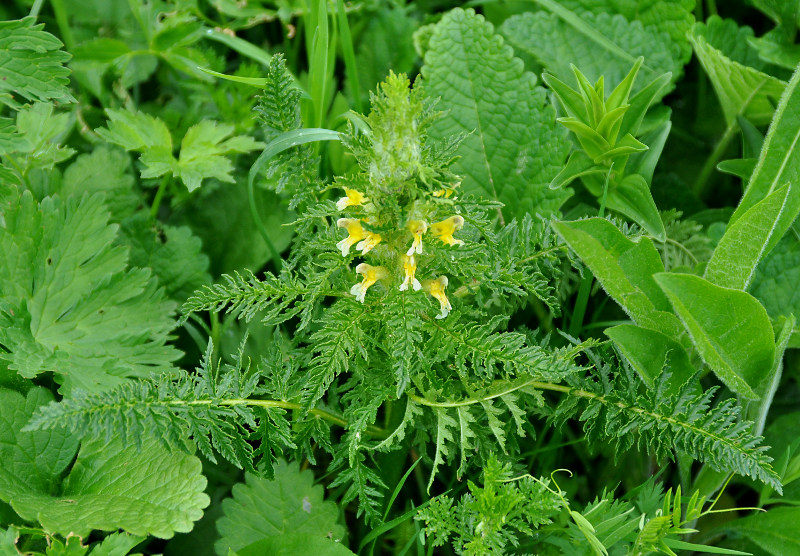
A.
pixel 70 305
pixel 489 95
pixel 288 503
pixel 32 62
pixel 68 496
pixel 202 153
pixel 411 288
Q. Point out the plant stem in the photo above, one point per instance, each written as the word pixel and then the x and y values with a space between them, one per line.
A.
pixel 159 195
pixel 712 160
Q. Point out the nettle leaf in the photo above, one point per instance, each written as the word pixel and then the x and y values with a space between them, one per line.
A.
pixel 513 149
pixel 32 62
pixel 673 17
pixel 599 45
pixel 69 305
pixel 263 508
pixel 742 90
pixel 731 40
pixel 108 487
pixel 729 328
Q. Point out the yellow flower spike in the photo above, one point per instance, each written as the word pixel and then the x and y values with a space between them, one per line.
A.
pixel 418 228
pixel 445 229
pixel 352 199
pixel 371 239
pixel 410 268
pixel 371 275
pixel 355 231
pixel 436 289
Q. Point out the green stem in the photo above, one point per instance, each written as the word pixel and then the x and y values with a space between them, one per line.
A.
pixel 159 195
pixel 712 160
pixel 349 55
pixel 35 8
pixel 63 23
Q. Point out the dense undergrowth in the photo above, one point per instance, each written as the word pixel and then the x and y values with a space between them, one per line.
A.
pixel 312 277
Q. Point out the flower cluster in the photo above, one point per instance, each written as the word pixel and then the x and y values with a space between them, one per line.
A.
pixel 363 233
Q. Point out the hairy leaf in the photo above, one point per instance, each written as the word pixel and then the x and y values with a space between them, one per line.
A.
pixel 513 149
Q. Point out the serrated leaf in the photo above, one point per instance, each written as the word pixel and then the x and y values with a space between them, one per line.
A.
pixel 32 62
pixel 729 328
pixel 599 45
pixel 152 492
pixel 262 508
pixel 738 253
pixel 135 131
pixel 673 17
pixel 514 149
pixel 70 305
pixel 293 544
pixel 174 254
pixel 203 151
pixel 779 162
pixel 742 90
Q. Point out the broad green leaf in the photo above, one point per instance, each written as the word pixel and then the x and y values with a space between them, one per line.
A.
pixel 649 352
pixel 32 62
pixel 514 148
pixel 100 50
pixel 108 487
pixel 742 90
pixel 35 460
pixel 731 40
pixel 288 503
pixel 203 151
pixel 70 306
pixel 779 162
pixel 774 531
pixel 738 253
pixel 293 544
pixel 729 328
pixel 625 270
pixel 599 45
pixel 44 130
pixel 673 17
pixel 633 199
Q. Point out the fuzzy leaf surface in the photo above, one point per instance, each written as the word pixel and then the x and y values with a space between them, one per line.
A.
pixel 513 149
pixel 729 328
pixel 742 90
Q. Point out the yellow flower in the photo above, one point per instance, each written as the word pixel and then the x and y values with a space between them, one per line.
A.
pixel 436 289
pixel 445 229
pixel 353 198
pixel 371 275
pixel 371 239
pixel 355 234
pixel 410 268
pixel 446 192
pixel 418 228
